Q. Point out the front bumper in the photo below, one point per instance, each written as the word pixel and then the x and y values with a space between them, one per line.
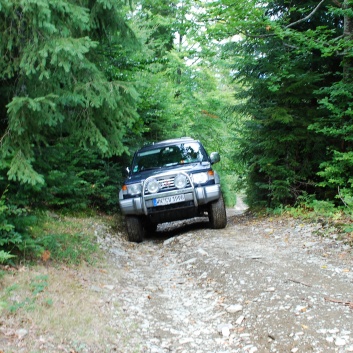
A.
pixel 199 195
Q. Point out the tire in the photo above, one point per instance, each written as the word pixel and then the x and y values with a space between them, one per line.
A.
pixel 134 228
pixel 217 214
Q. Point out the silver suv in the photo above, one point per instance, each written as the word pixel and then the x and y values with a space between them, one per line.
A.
pixel 168 181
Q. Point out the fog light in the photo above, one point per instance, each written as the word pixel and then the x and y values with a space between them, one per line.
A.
pixel 180 181
pixel 153 186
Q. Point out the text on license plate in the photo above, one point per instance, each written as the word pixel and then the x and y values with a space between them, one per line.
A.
pixel 168 200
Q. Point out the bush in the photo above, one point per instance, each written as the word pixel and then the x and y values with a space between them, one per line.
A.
pixel 14 237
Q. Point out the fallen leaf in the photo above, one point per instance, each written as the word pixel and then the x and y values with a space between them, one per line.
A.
pixel 45 255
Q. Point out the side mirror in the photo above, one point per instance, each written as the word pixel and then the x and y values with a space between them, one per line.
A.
pixel 215 157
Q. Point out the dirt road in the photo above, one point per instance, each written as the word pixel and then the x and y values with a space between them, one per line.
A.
pixel 259 285
pixel 256 286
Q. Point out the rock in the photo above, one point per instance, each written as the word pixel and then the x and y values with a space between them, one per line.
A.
pixel 168 241
pixel 270 289
pixel 190 261
pixel 234 308
pixel 340 342
pixel 300 309
pixel 225 332
pixel 224 329
pixel 240 319
pixel 21 333
pixel 202 252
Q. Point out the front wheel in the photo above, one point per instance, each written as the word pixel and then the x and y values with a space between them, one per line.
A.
pixel 134 229
pixel 217 214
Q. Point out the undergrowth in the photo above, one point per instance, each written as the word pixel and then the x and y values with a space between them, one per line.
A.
pixel 65 239
pixel 335 219
pixel 47 236
pixel 57 241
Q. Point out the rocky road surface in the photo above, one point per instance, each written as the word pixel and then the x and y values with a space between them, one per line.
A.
pixel 260 285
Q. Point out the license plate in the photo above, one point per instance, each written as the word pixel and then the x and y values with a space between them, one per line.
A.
pixel 168 200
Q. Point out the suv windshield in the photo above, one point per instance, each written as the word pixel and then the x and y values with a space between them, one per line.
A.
pixel 171 155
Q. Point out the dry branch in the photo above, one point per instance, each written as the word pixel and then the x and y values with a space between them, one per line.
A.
pixel 307 17
pixel 346 303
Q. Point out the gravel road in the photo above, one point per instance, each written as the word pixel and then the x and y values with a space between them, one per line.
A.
pixel 260 285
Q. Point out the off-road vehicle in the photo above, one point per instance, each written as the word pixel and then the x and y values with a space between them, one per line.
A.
pixel 168 181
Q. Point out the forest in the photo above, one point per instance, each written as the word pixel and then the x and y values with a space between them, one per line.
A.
pixel 84 83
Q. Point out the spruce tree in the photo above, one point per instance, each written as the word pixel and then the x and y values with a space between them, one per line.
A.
pixel 53 81
pixel 293 61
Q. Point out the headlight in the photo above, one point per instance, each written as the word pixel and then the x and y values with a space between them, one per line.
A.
pixel 153 186
pixel 200 178
pixel 180 181
pixel 134 189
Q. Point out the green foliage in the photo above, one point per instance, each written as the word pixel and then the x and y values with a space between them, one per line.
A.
pixel 308 207
pixel 75 179
pixel 37 285
pixel 66 239
pixel 14 236
pixel 24 237
pixel 69 248
pixel 183 92
pixel 296 138
pixel 5 256
pixel 53 82
pixel 337 171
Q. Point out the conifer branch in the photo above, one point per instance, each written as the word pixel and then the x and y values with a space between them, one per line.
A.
pixel 3 136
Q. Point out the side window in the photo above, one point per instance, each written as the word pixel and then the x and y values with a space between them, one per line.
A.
pixel 192 153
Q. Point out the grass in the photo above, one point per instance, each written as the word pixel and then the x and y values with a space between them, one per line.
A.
pixel 65 239
pixel 60 305
pixel 58 297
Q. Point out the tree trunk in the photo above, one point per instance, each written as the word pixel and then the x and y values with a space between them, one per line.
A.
pixel 348 36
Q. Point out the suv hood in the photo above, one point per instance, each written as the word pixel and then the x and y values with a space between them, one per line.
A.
pixel 190 168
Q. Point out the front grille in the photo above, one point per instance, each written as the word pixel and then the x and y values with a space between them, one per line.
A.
pixel 167 184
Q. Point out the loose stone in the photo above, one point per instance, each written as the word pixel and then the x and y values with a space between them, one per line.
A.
pixel 234 308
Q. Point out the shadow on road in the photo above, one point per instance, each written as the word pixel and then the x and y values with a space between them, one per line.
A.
pixel 172 229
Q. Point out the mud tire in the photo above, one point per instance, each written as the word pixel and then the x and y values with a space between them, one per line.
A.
pixel 217 214
pixel 134 228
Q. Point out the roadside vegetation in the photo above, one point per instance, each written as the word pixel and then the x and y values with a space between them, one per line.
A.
pixel 52 286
